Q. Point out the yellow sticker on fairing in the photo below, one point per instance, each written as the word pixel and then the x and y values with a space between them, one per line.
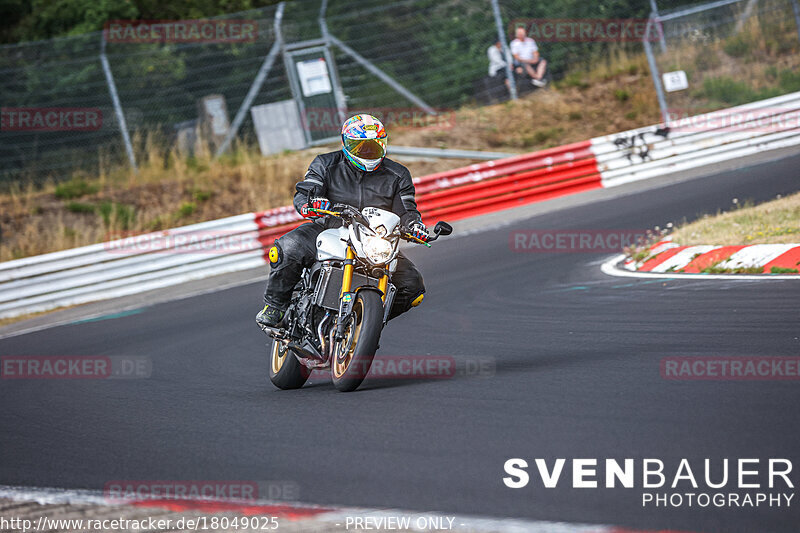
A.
pixel 273 254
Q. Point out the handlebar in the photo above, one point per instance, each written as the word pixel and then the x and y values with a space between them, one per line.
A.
pixel 411 238
pixel 326 212
pixel 357 214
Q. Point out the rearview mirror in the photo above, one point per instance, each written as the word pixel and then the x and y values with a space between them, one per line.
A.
pixel 442 228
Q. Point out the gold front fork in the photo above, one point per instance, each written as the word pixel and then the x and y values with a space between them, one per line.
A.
pixel 383 284
pixel 347 280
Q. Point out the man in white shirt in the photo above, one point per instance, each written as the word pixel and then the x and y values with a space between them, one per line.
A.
pixel 526 56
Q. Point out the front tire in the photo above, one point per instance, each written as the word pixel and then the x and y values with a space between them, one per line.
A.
pixel 353 356
pixel 285 371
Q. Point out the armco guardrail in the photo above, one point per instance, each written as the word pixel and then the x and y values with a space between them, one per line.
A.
pixel 700 140
pixel 133 264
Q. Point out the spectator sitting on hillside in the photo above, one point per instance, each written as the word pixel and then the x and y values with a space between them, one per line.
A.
pixel 526 56
pixel 497 65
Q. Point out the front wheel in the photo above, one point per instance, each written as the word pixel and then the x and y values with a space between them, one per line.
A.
pixel 285 371
pixel 353 356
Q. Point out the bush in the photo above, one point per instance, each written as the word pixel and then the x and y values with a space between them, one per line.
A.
pixel 736 46
pixel 74 188
pixel 125 215
pixel 707 59
pixel 80 207
pixel 187 209
pixel 121 214
pixel 622 95
pixel 771 73
pixel 201 196
pixel 574 79
pixel 727 90
pixel 542 135
pixel 789 81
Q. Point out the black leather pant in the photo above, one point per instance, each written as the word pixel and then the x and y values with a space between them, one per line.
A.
pixel 298 250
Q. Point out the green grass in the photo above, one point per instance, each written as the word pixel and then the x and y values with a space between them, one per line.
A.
pixel 573 79
pixel 727 90
pixel 789 81
pixel 74 188
pixel 186 209
pixel 739 270
pixel 737 46
pixel 781 270
pixel 81 207
pixel 201 195
pixel 121 216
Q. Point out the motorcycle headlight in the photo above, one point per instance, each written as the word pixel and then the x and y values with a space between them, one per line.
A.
pixel 377 250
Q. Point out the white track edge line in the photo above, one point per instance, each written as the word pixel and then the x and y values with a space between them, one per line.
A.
pixel 610 268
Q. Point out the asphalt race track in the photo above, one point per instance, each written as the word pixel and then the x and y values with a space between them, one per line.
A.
pixel 576 356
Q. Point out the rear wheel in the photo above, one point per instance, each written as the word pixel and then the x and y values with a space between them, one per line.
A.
pixel 285 371
pixel 353 356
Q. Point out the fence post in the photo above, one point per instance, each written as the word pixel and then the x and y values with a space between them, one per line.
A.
pixel 338 93
pixel 654 16
pixel 112 88
pixel 796 10
pixel 501 36
pixel 651 61
pixel 266 66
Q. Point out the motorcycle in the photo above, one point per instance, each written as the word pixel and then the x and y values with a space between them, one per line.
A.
pixel 342 302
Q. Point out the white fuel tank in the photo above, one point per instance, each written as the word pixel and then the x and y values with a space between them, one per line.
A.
pixel 332 244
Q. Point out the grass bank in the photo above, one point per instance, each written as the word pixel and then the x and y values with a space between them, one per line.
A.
pixel 774 222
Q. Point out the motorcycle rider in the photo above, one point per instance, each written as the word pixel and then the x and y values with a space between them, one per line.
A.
pixel 359 175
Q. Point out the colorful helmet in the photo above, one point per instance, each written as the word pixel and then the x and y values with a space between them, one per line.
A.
pixel 364 141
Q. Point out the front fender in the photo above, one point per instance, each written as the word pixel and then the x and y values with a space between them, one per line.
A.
pixel 368 288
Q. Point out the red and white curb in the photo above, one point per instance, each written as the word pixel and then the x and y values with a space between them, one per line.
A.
pixel 55 507
pixel 671 260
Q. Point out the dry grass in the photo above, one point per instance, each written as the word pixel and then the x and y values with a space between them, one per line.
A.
pixel 172 190
pixel 772 222
pixel 617 95
pixel 168 191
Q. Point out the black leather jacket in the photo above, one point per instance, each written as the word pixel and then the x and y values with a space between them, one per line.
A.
pixel 333 177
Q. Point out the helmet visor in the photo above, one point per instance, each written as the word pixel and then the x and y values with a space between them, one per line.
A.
pixel 366 148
